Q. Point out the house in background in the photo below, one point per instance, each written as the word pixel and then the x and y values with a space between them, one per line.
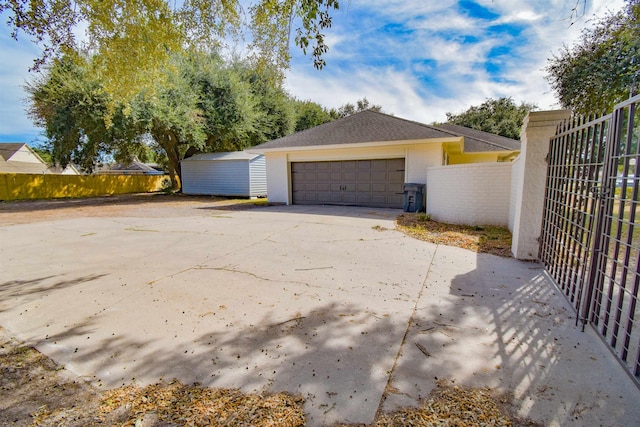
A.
pixel 70 169
pixel 18 157
pixel 237 173
pixel 135 167
pixel 364 159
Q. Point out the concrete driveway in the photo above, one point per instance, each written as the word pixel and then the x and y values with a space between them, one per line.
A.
pixel 328 302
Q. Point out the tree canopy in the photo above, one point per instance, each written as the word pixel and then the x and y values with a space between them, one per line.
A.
pixel 204 103
pixel 500 116
pixel 145 33
pixel 309 114
pixel 360 105
pixel 601 69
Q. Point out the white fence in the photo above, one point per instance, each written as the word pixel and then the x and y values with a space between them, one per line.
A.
pixel 472 194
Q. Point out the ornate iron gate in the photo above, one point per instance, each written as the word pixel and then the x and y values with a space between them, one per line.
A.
pixel 590 240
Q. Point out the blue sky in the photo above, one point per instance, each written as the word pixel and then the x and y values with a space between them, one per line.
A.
pixel 418 59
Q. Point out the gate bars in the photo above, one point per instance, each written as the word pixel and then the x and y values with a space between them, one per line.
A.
pixel 590 238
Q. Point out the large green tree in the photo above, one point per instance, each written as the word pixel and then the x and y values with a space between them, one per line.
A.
pixel 71 106
pixel 202 104
pixel 500 116
pixel 135 39
pixel 310 114
pixel 603 67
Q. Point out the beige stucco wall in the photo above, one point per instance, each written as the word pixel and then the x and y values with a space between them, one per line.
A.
pixel 471 194
pixel 538 128
pixel 418 157
pixel 458 159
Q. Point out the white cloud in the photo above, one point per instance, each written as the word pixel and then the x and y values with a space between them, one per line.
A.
pixel 15 59
pixel 418 59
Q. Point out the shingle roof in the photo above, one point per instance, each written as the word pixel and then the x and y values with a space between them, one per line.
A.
pixel 23 167
pixel 8 149
pixel 367 126
pixel 477 140
pixel 371 126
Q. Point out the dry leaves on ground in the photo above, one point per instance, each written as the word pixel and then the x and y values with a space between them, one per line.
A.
pixel 37 392
pixel 192 405
pixel 454 406
pixel 487 239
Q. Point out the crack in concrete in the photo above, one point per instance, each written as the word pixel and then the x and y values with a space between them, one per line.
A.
pixel 389 387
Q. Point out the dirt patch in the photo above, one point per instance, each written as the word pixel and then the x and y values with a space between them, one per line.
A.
pixel 130 205
pixel 32 386
pixel 487 239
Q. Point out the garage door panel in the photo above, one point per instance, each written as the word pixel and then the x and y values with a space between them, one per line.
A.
pixel 378 199
pixel 324 197
pixel 349 165
pixel 364 198
pixel 396 199
pixel 379 176
pixel 396 176
pixel 397 164
pixel 376 183
pixel 364 176
pixel 394 188
pixel 349 176
pixel 379 187
pixel 349 198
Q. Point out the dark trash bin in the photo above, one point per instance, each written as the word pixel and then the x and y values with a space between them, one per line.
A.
pixel 413 197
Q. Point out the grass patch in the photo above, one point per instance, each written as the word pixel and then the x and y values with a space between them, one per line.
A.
pixel 487 238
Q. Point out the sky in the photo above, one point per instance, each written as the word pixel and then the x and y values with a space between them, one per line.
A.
pixel 418 59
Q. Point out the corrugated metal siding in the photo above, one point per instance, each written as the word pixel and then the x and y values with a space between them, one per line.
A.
pixel 224 178
pixel 258 171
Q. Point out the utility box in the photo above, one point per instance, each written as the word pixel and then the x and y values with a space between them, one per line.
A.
pixel 413 197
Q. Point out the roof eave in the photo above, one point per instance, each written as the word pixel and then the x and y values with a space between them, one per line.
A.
pixel 358 145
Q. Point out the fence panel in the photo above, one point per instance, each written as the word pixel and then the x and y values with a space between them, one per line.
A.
pixel 590 239
pixel 15 186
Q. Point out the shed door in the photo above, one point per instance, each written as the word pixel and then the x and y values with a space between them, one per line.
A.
pixel 375 183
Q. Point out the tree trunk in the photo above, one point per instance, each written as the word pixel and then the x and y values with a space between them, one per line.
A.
pixel 169 143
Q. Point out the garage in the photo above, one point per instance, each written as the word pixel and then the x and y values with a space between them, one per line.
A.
pixel 365 158
pixel 373 183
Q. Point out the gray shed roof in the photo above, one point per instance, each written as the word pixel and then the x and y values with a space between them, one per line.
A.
pixel 371 126
pixel 367 126
pixel 233 155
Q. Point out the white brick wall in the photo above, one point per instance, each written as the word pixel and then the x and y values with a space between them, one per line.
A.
pixel 473 194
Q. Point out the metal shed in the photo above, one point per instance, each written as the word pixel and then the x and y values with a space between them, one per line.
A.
pixel 235 173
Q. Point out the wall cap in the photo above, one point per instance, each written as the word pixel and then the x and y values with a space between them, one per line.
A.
pixel 545 118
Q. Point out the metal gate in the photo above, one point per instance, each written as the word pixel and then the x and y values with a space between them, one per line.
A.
pixel 590 239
